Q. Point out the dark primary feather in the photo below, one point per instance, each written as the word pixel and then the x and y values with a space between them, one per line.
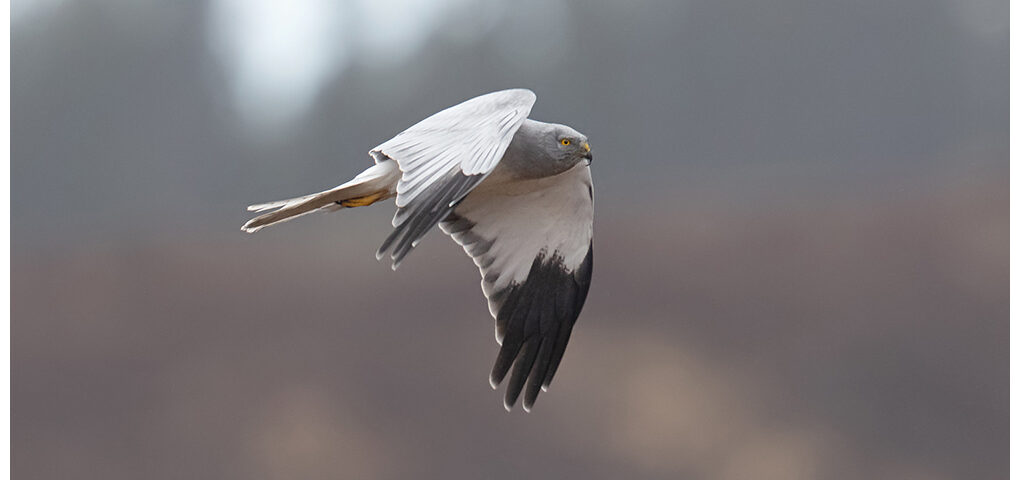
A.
pixel 535 319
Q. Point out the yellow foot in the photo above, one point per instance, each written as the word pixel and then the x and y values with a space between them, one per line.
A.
pixel 363 201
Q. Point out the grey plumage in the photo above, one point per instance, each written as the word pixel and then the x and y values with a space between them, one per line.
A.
pixel 515 193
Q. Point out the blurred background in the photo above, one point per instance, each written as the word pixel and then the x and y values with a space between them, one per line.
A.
pixel 800 253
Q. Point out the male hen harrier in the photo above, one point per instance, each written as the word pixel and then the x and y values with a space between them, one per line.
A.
pixel 514 192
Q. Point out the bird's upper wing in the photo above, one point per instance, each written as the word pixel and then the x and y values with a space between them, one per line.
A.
pixel 446 155
pixel 532 242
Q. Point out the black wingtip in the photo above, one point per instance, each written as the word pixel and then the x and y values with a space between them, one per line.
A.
pixel 504 360
pixel 522 370
pixel 537 376
pixel 536 318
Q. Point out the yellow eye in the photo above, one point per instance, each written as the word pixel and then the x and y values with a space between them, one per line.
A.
pixel 565 141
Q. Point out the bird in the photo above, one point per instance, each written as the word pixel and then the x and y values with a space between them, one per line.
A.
pixel 514 192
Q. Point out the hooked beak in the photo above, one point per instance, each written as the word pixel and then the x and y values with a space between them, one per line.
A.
pixel 587 152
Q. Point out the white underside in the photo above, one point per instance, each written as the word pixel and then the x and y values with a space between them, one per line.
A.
pixel 525 219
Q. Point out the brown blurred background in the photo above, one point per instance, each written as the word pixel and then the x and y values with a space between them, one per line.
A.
pixel 801 241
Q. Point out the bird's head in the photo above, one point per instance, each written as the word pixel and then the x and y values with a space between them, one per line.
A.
pixel 542 149
pixel 570 145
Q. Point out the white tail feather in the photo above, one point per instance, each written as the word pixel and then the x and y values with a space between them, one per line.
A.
pixel 277 204
pixel 380 179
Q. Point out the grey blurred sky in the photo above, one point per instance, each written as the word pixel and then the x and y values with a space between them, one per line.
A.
pixel 137 111
pixel 801 241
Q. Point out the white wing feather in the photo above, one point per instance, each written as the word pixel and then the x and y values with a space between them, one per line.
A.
pixel 471 137
pixel 519 222
pixel 531 240
pixel 443 157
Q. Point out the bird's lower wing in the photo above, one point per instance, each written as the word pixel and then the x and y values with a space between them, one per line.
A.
pixel 531 241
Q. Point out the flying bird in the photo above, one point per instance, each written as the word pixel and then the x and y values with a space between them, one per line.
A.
pixel 514 192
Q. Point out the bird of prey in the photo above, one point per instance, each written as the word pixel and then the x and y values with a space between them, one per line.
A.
pixel 515 193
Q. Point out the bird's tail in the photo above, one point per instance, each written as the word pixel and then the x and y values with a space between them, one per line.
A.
pixel 374 184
